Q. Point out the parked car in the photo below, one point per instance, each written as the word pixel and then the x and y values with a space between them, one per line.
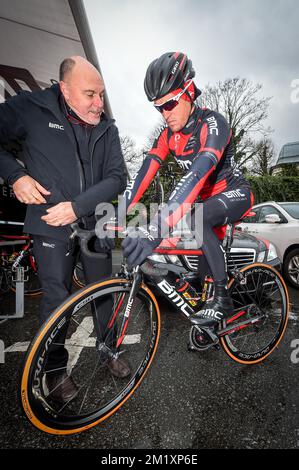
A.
pixel 279 223
pixel 246 249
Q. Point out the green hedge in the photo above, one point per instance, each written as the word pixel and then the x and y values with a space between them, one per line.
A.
pixel 266 188
pixel 275 188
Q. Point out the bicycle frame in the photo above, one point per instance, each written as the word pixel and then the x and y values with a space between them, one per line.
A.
pixel 166 285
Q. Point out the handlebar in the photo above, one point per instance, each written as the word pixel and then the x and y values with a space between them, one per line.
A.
pixel 84 236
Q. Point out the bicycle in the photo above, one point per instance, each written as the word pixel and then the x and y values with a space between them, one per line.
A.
pixel 253 331
pixel 12 257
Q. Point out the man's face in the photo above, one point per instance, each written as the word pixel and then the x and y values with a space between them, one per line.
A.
pixel 177 118
pixel 83 90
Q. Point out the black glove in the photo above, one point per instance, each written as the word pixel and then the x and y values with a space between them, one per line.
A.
pixel 106 239
pixel 139 244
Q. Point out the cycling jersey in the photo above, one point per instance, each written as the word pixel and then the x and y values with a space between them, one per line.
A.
pixel 204 150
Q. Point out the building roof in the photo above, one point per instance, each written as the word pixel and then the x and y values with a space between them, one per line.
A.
pixel 288 154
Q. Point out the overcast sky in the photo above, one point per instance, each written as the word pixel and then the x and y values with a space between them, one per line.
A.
pixel 254 39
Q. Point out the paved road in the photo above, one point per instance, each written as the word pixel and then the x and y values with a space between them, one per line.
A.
pixel 187 400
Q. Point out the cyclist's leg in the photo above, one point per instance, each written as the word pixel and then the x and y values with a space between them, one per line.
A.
pixel 55 274
pixel 226 207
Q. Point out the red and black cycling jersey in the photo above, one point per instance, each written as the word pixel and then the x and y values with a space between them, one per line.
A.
pixel 204 150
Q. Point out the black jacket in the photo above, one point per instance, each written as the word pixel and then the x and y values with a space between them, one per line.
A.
pixel 52 159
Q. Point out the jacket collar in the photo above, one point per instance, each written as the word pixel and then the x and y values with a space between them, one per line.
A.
pixel 49 99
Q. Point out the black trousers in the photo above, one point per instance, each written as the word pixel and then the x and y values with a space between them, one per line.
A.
pixel 224 208
pixel 55 271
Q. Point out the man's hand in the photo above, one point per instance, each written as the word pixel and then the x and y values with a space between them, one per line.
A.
pixel 61 214
pixel 29 191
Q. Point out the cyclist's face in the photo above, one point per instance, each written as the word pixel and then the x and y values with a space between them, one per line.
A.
pixel 83 90
pixel 177 118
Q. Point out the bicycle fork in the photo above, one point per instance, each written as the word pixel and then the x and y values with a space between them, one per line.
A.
pixel 137 279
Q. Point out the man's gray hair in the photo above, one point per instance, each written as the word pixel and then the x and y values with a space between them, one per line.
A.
pixel 66 67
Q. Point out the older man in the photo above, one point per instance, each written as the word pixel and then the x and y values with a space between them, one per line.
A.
pixel 73 161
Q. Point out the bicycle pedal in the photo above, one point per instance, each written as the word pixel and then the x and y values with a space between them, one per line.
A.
pixel 211 333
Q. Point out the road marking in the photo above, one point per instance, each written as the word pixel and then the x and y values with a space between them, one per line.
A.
pixel 82 337
pixel 18 347
pixel 74 345
pixel 79 337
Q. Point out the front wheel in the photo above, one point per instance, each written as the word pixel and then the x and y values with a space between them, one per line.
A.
pixel 71 338
pixel 260 317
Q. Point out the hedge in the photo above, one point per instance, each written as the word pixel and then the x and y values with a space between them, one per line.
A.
pixel 275 188
pixel 266 188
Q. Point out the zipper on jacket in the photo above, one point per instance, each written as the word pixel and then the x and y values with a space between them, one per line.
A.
pixel 93 147
pixel 81 173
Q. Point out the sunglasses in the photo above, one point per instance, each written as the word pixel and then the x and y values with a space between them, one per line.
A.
pixel 170 104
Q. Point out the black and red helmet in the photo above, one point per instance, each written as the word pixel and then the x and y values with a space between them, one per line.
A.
pixel 166 74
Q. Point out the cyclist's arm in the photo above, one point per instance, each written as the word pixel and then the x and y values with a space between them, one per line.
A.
pixel 142 179
pixel 214 137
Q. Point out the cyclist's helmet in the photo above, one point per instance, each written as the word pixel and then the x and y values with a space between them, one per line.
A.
pixel 167 73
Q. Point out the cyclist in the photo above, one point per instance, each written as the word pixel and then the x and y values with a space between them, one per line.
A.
pixel 201 142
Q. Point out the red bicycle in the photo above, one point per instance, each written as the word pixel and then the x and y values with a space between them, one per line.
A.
pixel 16 251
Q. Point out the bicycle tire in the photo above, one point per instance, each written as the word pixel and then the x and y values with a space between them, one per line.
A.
pixel 273 313
pixel 39 408
pixel 78 276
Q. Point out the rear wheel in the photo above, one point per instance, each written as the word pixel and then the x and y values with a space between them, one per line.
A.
pixel 71 327
pixel 263 300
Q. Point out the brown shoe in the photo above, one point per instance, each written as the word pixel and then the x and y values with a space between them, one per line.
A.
pixel 61 387
pixel 119 368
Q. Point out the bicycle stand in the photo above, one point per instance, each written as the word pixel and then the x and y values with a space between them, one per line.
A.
pixel 19 295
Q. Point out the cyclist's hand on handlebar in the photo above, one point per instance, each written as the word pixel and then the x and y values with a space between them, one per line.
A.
pixel 29 191
pixel 106 234
pixel 139 244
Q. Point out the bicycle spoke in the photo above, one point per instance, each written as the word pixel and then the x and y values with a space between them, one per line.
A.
pixel 88 388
